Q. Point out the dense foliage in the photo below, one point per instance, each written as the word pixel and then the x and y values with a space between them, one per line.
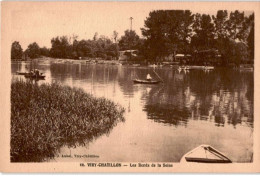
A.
pixel 179 31
pixel 16 51
pixel 33 50
pixel 45 117
pixel 101 47
pixel 165 33
pixel 129 40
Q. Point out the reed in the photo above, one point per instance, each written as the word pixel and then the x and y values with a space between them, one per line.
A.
pixel 48 116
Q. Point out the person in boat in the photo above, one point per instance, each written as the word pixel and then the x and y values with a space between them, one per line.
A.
pixel 37 73
pixel 32 73
pixel 148 77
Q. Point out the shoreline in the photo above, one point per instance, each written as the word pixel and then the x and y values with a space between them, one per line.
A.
pixel 138 63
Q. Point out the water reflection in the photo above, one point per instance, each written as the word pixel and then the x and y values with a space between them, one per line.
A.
pixel 190 102
pixel 225 96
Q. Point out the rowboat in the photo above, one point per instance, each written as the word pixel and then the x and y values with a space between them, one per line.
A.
pixel 205 154
pixel 146 81
pixel 22 73
pixel 33 76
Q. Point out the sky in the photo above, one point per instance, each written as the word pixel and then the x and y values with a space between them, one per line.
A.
pixel 41 22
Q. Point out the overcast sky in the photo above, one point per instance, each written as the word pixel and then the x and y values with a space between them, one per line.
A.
pixel 43 22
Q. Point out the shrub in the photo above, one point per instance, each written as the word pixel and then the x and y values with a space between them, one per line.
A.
pixel 46 117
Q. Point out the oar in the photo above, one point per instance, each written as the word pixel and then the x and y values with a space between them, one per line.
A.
pixel 158 76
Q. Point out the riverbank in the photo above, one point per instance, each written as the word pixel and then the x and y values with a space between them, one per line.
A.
pixel 134 63
pixel 48 116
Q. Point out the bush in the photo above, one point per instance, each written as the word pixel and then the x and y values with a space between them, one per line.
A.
pixel 46 117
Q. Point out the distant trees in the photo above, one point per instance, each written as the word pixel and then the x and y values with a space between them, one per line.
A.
pixel 204 32
pixel 167 31
pixel 251 36
pixel 16 51
pixel 99 47
pixel 129 40
pixel 44 51
pixel 237 26
pixel 232 34
pixel 179 31
pixel 33 50
pixel 220 22
pixel 60 47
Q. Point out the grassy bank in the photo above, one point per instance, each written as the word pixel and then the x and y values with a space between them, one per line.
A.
pixel 46 117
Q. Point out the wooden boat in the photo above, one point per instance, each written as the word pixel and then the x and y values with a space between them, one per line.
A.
pixel 33 76
pixel 22 73
pixel 205 154
pixel 146 81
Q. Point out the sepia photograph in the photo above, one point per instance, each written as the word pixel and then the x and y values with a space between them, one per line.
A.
pixel 130 84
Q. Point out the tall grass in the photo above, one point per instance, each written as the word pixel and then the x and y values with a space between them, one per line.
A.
pixel 46 117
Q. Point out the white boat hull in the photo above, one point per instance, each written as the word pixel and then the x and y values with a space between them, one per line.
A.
pixel 205 154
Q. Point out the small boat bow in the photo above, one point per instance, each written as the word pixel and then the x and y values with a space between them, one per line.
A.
pixel 205 154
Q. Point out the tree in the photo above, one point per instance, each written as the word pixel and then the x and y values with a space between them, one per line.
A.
pixel 115 35
pixel 167 31
pixel 235 36
pixel 33 50
pixel 16 50
pixel 61 47
pixel 221 24
pixel 113 50
pixel 102 47
pixel 235 26
pixel 129 40
pixel 232 51
pixel 44 51
pixel 84 49
pixel 204 32
pixel 251 37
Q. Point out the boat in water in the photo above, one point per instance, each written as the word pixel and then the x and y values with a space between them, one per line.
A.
pixel 146 81
pixel 34 76
pixel 205 154
pixel 22 73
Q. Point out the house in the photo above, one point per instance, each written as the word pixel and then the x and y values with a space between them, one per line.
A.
pixel 182 58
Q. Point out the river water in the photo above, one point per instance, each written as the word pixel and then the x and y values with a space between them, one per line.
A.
pixel 164 121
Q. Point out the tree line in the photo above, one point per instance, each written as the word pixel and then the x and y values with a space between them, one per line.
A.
pixel 180 31
pixel 165 33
